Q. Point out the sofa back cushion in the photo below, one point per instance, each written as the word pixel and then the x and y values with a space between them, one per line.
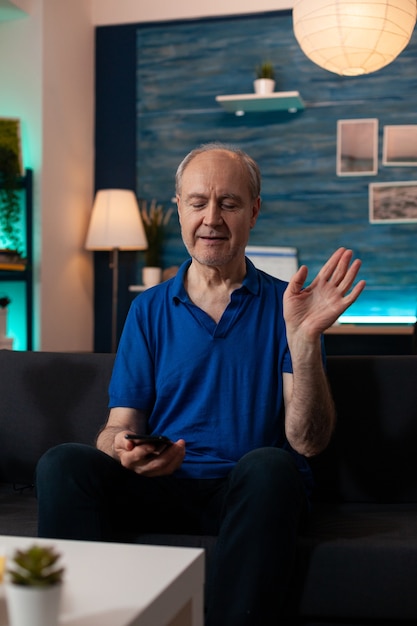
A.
pixel 48 398
pixel 373 454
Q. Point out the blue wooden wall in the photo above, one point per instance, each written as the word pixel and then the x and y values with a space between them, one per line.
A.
pixel 155 100
pixel 182 66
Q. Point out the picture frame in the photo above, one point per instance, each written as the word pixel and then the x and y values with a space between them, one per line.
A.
pixel 393 203
pixel 10 138
pixel 400 145
pixel 357 147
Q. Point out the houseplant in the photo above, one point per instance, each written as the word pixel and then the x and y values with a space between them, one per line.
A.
pixel 265 78
pixel 4 302
pixel 10 235
pixel 34 586
pixel 154 220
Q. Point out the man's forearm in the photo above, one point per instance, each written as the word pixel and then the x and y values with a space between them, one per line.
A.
pixel 105 440
pixel 120 419
pixel 310 415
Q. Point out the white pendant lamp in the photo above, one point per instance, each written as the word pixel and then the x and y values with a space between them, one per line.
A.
pixel 356 37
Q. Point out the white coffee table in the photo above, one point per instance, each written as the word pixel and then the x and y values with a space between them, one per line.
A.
pixel 115 584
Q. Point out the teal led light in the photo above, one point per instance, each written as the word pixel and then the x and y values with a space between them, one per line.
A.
pixel 377 319
pixel 383 305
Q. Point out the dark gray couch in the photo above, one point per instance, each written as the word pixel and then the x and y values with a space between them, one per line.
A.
pixel 357 563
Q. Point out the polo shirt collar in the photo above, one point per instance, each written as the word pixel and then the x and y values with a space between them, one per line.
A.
pixel 250 282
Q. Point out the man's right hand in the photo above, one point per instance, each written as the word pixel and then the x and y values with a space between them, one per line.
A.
pixel 146 459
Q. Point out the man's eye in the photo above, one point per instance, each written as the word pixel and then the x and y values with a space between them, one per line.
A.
pixel 228 207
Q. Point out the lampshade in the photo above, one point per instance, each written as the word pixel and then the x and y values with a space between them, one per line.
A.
pixel 353 37
pixel 116 222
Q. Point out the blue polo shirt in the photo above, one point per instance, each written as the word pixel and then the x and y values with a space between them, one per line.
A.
pixel 218 386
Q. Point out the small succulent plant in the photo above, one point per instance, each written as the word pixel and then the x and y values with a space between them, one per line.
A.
pixel 265 70
pixel 35 567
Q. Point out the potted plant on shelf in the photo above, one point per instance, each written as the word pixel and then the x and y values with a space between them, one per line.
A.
pixel 265 78
pixel 154 220
pixel 33 587
pixel 10 210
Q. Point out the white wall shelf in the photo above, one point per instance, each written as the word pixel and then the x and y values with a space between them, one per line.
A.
pixel 240 104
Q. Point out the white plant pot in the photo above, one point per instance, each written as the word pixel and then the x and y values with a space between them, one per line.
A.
pixel 151 276
pixel 264 85
pixel 33 606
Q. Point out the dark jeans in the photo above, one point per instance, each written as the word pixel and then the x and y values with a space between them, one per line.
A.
pixel 256 512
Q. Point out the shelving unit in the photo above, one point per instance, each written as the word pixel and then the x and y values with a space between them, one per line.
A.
pixel 240 104
pixel 25 275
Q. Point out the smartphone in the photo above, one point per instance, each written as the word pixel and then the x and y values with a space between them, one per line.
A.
pixel 159 441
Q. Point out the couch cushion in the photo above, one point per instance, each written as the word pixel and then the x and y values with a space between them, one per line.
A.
pixel 48 398
pixel 359 561
pixel 372 457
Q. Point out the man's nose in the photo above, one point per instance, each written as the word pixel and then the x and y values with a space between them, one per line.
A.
pixel 213 214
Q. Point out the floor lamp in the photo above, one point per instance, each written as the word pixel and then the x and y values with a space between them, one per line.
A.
pixel 115 224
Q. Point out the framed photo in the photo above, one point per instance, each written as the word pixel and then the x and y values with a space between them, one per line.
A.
pixel 393 202
pixel 357 147
pixel 10 140
pixel 400 145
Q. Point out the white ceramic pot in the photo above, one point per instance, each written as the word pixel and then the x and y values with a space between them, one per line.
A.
pixel 33 606
pixel 151 276
pixel 264 85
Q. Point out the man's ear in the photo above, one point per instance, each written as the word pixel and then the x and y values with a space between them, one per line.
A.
pixel 178 201
pixel 256 207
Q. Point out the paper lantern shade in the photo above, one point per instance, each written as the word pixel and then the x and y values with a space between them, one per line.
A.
pixel 353 38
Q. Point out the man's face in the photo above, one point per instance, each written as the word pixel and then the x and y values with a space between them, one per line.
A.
pixel 215 208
